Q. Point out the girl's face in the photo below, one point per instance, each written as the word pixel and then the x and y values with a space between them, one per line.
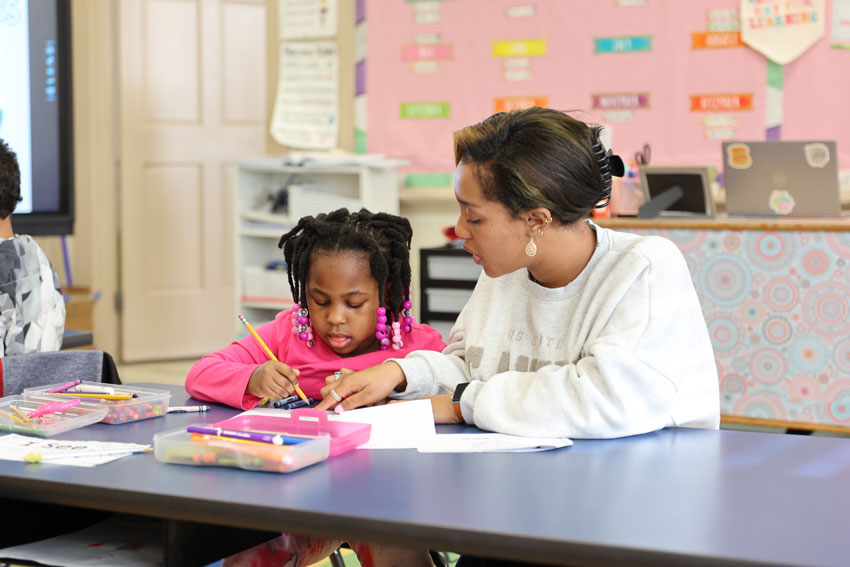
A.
pixel 342 298
pixel 491 234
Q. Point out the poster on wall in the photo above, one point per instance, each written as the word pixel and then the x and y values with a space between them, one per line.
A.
pixel 306 109
pixel 782 29
pixel 307 19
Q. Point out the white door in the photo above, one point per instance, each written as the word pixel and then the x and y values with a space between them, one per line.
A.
pixel 192 101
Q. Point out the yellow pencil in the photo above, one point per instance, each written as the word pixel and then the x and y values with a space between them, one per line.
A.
pixel 269 353
pixel 109 397
pixel 21 414
pixel 10 416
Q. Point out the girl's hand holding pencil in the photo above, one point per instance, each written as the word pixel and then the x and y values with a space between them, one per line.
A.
pixel 273 380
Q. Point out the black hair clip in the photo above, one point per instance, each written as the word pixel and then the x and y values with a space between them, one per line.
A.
pixel 610 164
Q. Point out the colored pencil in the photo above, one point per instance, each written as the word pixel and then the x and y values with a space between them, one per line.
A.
pixel 269 353
pixel 109 397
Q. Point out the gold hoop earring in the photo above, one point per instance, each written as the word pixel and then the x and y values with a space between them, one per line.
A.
pixel 531 247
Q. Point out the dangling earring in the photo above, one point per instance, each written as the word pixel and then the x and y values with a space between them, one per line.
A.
pixel 381 329
pixel 531 247
pixel 301 324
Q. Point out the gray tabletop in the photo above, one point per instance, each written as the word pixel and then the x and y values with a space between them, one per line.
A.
pixel 675 496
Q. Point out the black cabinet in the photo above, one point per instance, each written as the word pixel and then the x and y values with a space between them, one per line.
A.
pixel 448 276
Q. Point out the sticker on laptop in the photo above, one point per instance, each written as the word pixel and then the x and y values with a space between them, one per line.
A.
pixel 817 155
pixel 738 156
pixel 781 202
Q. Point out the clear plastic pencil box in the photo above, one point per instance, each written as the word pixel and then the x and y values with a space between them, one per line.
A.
pixel 328 439
pixel 149 402
pixel 82 414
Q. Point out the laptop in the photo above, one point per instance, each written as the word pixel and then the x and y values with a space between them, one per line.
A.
pixel 795 178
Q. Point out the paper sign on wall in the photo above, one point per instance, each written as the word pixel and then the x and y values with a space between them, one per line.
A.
pixel 782 29
pixel 306 109
pixel 307 19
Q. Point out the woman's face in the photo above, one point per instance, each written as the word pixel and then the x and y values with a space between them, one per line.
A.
pixel 491 234
pixel 342 298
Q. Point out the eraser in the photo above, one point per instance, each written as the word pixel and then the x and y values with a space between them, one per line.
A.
pixel 339 409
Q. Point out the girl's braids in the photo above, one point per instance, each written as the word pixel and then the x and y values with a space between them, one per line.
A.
pixel 384 238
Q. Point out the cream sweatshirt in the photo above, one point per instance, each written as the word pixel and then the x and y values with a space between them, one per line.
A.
pixel 621 350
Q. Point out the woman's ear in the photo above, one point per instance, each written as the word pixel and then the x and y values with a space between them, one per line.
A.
pixel 538 219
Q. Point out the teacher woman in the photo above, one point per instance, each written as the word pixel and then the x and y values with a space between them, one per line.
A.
pixel 573 330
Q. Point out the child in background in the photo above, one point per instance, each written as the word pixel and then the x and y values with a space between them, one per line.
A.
pixel 32 310
pixel 350 273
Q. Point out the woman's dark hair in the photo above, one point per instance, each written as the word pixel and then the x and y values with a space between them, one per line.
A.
pixel 382 237
pixel 537 157
pixel 10 180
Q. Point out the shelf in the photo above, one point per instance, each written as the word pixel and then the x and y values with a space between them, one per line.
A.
pixel 264 232
pixel 409 195
pixel 279 305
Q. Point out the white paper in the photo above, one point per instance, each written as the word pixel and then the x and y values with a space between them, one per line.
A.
pixel 490 443
pixel 303 19
pixel 401 425
pixel 14 447
pixel 120 541
pixel 306 109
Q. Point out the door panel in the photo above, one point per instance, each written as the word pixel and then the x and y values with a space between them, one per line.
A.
pixel 192 97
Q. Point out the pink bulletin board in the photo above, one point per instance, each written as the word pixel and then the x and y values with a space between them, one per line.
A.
pixel 435 60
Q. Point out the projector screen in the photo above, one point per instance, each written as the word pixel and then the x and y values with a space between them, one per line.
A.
pixel 35 110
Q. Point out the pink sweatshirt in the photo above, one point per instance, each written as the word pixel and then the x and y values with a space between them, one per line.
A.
pixel 223 375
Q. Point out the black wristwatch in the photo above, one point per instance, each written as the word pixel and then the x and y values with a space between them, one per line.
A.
pixel 456 398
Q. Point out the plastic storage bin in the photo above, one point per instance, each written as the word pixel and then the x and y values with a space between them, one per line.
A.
pixel 148 402
pixel 331 438
pixel 84 413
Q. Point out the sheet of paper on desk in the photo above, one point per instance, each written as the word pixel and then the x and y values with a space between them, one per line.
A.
pixel 14 447
pixel 490 443
pixel 402 425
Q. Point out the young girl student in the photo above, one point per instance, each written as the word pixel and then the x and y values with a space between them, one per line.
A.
pixel 572 330
pixel 350 276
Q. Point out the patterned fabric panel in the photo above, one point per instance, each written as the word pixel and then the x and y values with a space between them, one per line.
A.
pixel 32 310
pixel 777 306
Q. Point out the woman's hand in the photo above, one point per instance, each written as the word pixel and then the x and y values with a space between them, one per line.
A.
pixel 364 387
pixel 337 375
pixel 274 380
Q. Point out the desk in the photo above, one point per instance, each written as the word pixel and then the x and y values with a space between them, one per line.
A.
pixel 700 497
pixel 776 299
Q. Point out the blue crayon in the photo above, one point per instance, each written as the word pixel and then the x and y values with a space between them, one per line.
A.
pixel 288 400
pixel 298 404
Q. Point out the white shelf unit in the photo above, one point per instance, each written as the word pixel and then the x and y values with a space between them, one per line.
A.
pixel 262 293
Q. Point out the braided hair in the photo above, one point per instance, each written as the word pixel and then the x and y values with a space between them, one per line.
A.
pixel 383 237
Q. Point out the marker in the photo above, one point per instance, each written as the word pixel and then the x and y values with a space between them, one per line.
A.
pixel 269 353
pixel 249 435
pixel 47 457
pixel 89 389
pixel 53 407
pixel 187 409
pixel 64 387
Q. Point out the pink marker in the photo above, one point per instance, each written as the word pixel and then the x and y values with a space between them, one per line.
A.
pixel 64 387
pixel 53 407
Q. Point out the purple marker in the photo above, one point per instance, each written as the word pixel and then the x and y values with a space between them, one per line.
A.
pixel 248 435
